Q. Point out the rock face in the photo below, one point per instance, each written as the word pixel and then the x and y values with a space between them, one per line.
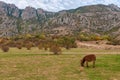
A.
pixel 99 19
pixel 9 9
pixel 13 11
pixel 29 13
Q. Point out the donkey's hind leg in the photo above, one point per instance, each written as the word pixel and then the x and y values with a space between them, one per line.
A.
pixel 87 63
pixel 93 64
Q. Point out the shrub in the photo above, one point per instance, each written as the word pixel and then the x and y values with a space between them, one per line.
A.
pixel 96 38
pixel 84 37
pixel 97 42
pixel 5 48
pixel 12 44
pixel 74 45
pixel 55 49
pixel 45 46
pixel 115 42
pixel 67 42
pixel 29 45
pixel 40 46
pixel 19 46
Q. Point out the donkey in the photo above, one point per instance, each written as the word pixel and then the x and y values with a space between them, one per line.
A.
pixel 88 58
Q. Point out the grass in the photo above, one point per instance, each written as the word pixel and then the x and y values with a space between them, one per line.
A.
pixel 41 65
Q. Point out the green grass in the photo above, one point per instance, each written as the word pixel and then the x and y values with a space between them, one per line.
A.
pixel 42 65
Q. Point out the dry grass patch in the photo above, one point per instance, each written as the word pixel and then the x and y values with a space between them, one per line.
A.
pixel 36 64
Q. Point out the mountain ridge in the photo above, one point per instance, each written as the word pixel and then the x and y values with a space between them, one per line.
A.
pixel 95 19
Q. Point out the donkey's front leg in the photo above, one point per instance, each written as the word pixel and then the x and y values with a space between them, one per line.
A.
pixel 87 63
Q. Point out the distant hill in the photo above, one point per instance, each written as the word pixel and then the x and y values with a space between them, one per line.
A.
pixel 96 19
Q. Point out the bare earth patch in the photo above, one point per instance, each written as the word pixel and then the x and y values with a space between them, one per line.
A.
pixel 97 45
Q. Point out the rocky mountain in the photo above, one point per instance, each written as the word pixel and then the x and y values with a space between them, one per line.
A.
pixel 97 19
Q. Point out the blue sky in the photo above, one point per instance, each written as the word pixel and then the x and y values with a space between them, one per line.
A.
pixel 57 5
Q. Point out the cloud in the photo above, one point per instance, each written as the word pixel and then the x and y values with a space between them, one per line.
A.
pixel 57 5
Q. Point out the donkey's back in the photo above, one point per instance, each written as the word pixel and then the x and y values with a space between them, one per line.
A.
pixel 90 57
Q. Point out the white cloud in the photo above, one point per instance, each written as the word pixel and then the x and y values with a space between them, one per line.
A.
pixel 56 5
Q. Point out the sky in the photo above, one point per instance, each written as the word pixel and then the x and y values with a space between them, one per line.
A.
pixel 57 5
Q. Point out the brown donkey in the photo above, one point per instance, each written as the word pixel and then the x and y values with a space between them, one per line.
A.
pixel 88 58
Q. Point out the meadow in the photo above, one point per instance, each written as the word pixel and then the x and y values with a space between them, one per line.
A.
pixel 38 64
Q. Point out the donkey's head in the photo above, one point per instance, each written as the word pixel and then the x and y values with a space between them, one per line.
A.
pixel 82 63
